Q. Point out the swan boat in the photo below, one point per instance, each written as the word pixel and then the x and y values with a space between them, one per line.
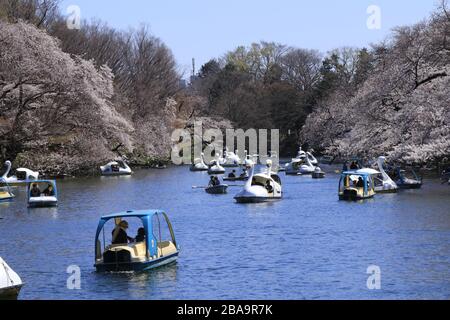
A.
pixel 230 160
pixel 199 164
pixel 5 191
pixel 215 167
pixel 262 187
pixel 408 180
pixel 10 282
pixel 356 186
pixel 116 168
pixel 22 175
pixel 293 168
pixel 157 249
pixel 42 199
pixel 307 168
pixel 383 183
pixel 249 160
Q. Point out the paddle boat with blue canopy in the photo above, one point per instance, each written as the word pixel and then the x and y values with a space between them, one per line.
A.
pixel 42 193
pixel 157 246
pixel 356 186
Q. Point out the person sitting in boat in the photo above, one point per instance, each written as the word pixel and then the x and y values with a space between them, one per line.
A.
pixel 214 181
pixel 232 174
pixel 354 166
pixel 269 187
pixel 49 191
pixel 35 191
pixel 119 234
pixel 244 173
pixel 360 183
pixel 140 237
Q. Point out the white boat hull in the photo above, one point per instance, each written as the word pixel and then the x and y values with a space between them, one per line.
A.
pixel 10 282
pixel 42 202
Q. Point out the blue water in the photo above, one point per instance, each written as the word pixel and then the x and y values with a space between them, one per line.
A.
pixel 307 246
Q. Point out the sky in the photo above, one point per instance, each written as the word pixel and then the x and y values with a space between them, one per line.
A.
pixel 205 29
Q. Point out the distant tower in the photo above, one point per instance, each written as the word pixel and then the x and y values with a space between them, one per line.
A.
pixel 193 76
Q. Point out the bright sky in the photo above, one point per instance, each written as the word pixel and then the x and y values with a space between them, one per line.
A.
pixel 205 29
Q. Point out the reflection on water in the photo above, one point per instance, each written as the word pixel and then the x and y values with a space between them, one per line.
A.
pixel 309 245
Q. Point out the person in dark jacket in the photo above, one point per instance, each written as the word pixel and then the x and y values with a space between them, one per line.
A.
pixel 232 174
pixel 119 234
pixel 141 235
pixel 49 191
pixel 35 191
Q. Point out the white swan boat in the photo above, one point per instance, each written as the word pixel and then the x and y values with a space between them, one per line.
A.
pixel 199 164
pixel 383 183
pixel 230 159
pixel 388 185
pixel 10 282
pixel 215 167
pixel 307 168
pixel 116 168
pixel 408 179
pixel 249 161
pixel 22 175
pixel 293 168
pixel 262 187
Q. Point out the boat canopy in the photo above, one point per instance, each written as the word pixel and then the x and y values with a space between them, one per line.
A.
pixel 369 171
pixel 148 217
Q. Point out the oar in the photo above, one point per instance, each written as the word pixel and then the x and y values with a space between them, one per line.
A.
pixel 229 185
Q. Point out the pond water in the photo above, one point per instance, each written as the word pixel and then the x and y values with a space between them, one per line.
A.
pixel 310 245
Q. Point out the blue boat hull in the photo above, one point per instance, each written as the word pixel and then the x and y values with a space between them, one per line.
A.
pixel 136 266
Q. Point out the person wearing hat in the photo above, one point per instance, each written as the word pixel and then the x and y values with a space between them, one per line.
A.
pixel 119 234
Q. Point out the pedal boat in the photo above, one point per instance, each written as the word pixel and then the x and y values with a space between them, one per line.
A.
pixel 230 159
pixel 116 168
pixel 22 176
pixel 404 182
pixel 255 190
pixel 156 251
pixel 199 164
pixel 10 282
pixel 43 201
pixel 293 168
pixel 350 190
pixel 5 191
pixel 383 183
pixel 216 168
